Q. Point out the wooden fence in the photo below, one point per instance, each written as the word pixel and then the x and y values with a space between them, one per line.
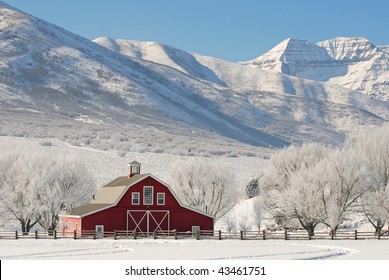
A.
pixel 203 234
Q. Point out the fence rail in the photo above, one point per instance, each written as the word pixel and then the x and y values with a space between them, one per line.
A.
pixel 203 234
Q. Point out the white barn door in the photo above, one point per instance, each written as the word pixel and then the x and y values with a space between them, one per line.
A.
pixel 146 221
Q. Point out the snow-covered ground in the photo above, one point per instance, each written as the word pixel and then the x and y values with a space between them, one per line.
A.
pixel 161 249
pixel 104 166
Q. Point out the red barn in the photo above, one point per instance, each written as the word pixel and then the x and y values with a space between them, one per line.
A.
pixel 139 202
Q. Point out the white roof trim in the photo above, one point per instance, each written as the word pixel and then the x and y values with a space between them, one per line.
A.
pixel 69 216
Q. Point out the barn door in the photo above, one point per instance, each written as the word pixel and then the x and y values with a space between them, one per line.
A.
pixel 146 221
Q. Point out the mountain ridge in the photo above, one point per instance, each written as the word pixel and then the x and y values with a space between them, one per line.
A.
pixel 353 63
pixel 169 94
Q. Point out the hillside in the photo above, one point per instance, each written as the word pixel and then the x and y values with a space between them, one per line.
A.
pixel 323 111
pixel 142 96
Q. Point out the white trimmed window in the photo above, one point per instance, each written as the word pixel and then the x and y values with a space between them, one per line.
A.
pixel 135 198
pixel 160 198
pixel 147 195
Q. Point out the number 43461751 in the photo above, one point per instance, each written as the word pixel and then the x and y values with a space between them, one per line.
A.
pixel 249 270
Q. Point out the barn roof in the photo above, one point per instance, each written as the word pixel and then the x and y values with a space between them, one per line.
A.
pixel 88 208
pixel 112 192
pixel 108 195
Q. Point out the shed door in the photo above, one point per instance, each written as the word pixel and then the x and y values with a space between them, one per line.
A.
pixel 146 221
pixel 99 231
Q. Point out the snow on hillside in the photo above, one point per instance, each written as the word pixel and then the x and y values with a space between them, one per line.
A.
pixel 267 100
pixel 350 49
pixel 384 48
pixel 353 63
pixel 161 54
pixel 368 65
pixel 140 91
pixel 66 75
pixel 291 57
pixel 105 166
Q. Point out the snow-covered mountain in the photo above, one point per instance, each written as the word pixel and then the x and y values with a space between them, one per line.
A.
pixel 293 57
pixel 301 99
pixel 147 95
pixel 367 65
pixel 353 63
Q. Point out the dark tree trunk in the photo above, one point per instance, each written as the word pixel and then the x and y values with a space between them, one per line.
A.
pixel 378 227
pixel 310 228
pixel 26 225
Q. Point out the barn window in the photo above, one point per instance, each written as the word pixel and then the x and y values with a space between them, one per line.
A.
pixel 148 195
pixel 135 198
pixel 161 198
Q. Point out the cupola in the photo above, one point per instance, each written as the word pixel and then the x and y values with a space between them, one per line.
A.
pixel 134 168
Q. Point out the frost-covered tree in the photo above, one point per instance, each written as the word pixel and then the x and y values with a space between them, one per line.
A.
pixel 68 186
pixel 302 199
pixel 341 179
pixel 230 223
pixel 284 201
pixel 252 188
pixel 35 189
pixel 244 223
pixel 20 181
pixel 205 186
pixel 372 143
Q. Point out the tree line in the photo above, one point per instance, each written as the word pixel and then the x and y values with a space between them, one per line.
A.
pixel 35 189
pixel 316 184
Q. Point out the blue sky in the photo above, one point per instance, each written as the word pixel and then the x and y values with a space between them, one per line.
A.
pixel 234 30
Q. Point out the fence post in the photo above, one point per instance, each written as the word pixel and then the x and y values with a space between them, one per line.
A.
pixel 16 234
pixel 332 234
pixel 309 235
pixel 75 234
pixel 263 235
pixel 94 234
pixel 114 235
pixel 175 234
pixel 36 234
pixel 286 235
pixel 356 234
pixel 197 235
pixel 155 234
pixel 135 234
pixel 241 235
pixel 55 234
pixel 379 234
pixel 220 235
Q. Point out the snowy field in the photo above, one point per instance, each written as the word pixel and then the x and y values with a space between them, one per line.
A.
pixel 147 249
pixel 104 166
pixel 102 259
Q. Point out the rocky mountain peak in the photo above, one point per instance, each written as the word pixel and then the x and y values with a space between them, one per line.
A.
pixel 349 49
